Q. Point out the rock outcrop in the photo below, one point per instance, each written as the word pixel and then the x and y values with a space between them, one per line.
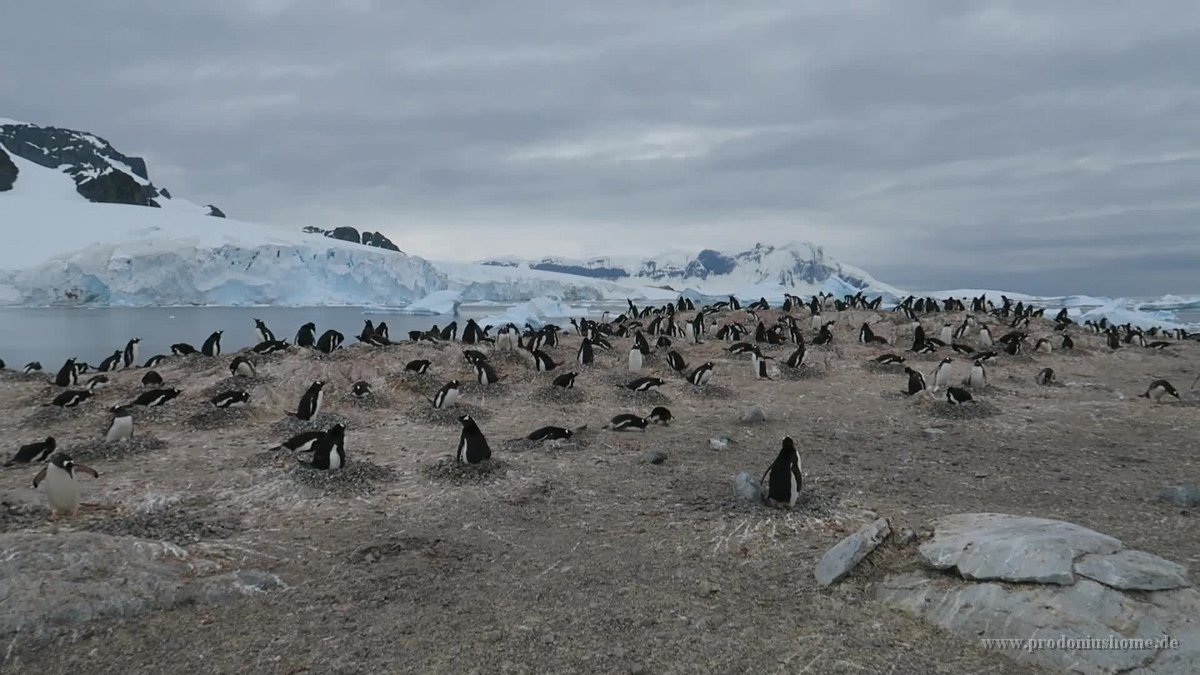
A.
pixel 8 171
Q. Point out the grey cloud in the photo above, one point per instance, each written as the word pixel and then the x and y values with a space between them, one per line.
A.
pixel 1026 145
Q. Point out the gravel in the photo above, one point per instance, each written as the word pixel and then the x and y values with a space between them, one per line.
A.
pixel 357 478
pixel 448 470
pixel 103 451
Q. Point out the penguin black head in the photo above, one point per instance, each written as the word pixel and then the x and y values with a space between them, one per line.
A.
pixel 62 460
pixel 789 448
pixel 361 388
pixel 466 418
pixel 318 383
pixel 120 411
pixel 336 431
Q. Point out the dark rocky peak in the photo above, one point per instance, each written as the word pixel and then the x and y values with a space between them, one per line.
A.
pixel 212 210
pixel 350 234
pixel 8 171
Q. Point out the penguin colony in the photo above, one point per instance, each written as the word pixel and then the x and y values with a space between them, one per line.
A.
pixel 655 342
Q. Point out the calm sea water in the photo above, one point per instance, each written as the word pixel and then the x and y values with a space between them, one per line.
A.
pixel 52 335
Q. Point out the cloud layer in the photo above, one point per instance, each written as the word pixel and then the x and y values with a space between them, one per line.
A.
pixel 1044 147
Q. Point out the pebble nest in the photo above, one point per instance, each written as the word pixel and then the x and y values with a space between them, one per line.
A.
pixel 196 363
pixel 14 517
pixel 578 441
pixel 809 372
pixel 448 470
pixel 176 525
pixel 234 384
pixel 559 395
pixel 649 397
pixel 52 413
pixel 101 450
pixel 290 426
pixel 425 412
pixel 968 411
pixel 357 478
pixel 216 418
pixel 713 391
pixel 373 401
pixel 890 368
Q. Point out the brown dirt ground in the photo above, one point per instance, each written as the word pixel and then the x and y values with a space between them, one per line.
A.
pixel 581 558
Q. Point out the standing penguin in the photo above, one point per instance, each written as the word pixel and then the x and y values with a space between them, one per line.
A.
pixel 310 402
pixel 67 376
pixel 585 356
pixel 121 425
pixel 635 359
pixel 916 381
pixel 212 346
pixel 472 445
pixel 782 481
pixel 947 334
pixel 702 374
pixel 796 359
pixel 1067 342
pixel 941 376
pixel 985 336
pixel 111 363
pixel 329 451
pixel 262 333
pixel 62 487
pixel 130 356
pixel 446 396
pixel 760 366
pixel 33 452
pixel 978 377
pixel 307 335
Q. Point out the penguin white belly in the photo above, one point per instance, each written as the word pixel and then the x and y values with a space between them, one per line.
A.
pixel 62 491
pixel 947 334
pixel 705 377
pixel 977 378
pixel 450 399
pixel 794 489
pixel 635 360
pixel 941 378
pixel 985 338
pixel 816 321
pixel 335 459
pixel 121 428
pixel 317 404
pixel 245 370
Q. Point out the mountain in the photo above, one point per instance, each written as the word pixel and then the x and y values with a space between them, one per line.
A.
pixel 100 172
pixel 795 267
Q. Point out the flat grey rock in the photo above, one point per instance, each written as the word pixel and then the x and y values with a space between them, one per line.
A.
pixel 932 434
pixel 849 552
pixel 1183 495
pixel 754 415
pixel 994 546
pixel 1132 571
pixel 652 457
pixel 746 487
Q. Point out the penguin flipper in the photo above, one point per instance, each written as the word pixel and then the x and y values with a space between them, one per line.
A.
pixel 41 476
pixel 83 468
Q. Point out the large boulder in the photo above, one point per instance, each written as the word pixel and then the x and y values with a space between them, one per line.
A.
pixel 114 187
pixel 8 171
pixel 1085 602
pixel 378 240
pixel 849 552
pixel 213 211
pixel 345 233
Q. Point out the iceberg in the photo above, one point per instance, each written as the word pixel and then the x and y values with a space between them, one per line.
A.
pixel 534 312
pixel 436 303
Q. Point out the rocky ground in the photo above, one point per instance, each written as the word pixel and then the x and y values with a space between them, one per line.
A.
pixel 587 557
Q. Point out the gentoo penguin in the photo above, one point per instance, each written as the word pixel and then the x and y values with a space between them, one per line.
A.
pixel 1013 347
pixel 120 427
pixel 33 452
pixel 262 333
pixel 941 376
pixel 472 446
pixel 33 367
pixel 702 374
pixel 242 367
pixel 1045 376
pixel 542 361
pixel 660 415
pixel 782 481
pixel 153 361
pixel 796 358
pixel 330 341
pixel 958 396
pixel 485 374
pixel 627 422
pixel 156 397
pixel 269 347
pixel 550 434
pixel 383 334
pixel 985 336
pixel 825 335
pixel 947 334
pixel 740 348
pixel 361 389
pixel 152 379
pixel 62 488
pixel 566 380
pixel 310 403
pixel 97 382
pixel 450 332
pixel 329 450
pixel 1158 344
pixel 300 442
pixel 111 363
pixel 585 356
pixel 446 396
pixel 888 359
pixel 676 362
pixel 306 336
pixel 760 367
pixel 1159 389
pixel 182 349
pixel 1114 340
pixel 663 342
pixel 816 320
pixel 67 375
pixel 231 399
pixel 71 398
pixel 130 356
pixel 1043 345
pixel 212 346
pixel 368 332
pixel 2 364
pixel 418 366
pixel 645 384
pixel 978 377
pixel 916 381
pixel 635 359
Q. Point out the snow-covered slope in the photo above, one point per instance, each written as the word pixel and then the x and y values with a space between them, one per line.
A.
pixel 797 267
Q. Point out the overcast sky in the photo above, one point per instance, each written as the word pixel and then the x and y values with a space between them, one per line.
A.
pixel 1049 147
